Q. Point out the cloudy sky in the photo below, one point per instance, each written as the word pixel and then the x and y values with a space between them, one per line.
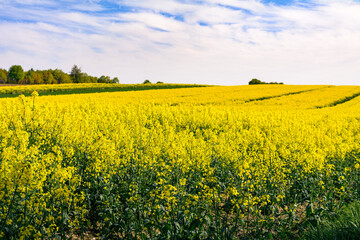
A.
pixel 224 42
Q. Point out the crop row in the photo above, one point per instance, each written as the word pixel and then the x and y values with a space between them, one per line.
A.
pixel 122 165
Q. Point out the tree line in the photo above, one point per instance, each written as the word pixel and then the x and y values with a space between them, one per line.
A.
pixel 255 81
pixel 16 75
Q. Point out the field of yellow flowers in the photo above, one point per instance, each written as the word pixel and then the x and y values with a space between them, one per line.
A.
pixel 240 162
pixel 75 88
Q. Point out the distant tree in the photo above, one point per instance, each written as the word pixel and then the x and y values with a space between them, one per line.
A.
pixel 48 77
pixel 255 81
pixel 76 74
pixel 104 79
pixel 29 77
pixel 60 76
pixel 147 82
pixel 93 79
pixel 15 74
pixel 3 76
pixel 115 80
pixel 38 77
pixel 84 78
pixel 25 80
pixel 158 82
pixel 275 83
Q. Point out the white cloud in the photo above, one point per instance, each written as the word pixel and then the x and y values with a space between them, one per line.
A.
pixel 217 42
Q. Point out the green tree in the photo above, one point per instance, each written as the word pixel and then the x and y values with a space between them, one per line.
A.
pixel 85 78
pixel 60 76
pixel 25 80
pixel 104 79
pixel 15 74
pixel 76 74
pixel 38 77
pixel 3 76
pixel 33 77
pixel 255 81
pixel 93 79
pixel 147 82
pixel 29 77
pixel 115 80
pixel 48 77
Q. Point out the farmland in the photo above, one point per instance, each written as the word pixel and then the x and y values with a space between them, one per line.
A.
pixel 241 162
pixel 62 89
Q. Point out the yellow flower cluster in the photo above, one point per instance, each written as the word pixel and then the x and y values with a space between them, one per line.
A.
pixel 214 162
pixel 96 87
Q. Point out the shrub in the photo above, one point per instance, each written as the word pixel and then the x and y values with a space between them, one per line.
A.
pixel 255 81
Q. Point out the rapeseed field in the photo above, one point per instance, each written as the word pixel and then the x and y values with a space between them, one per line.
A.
pixel 242 162
pixel 75 88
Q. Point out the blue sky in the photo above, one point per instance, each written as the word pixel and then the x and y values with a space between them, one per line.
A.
pixel 225 42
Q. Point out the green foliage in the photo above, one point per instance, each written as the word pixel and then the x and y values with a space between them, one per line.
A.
pixel 38 78
pixel 343 225
pixel 49 78
pixel 147 82
pixel 29 77
pixel 104 79
pixel 85 78
pixel 76 74
pixel 3 76
pixel 158 82
pixel 115 80
pixel 255 81
pixel 275 83
pixel 33 77
pixel 61 77
pixel 15 74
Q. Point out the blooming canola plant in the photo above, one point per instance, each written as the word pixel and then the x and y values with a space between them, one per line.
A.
pixel 194 163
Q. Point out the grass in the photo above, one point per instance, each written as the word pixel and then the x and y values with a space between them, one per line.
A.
pixel 344 225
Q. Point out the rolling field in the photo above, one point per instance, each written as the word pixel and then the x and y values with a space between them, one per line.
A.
pixel 242 162
pixel 14 90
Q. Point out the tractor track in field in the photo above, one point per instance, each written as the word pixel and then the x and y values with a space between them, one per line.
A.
pixel 284 94
pixel 340 101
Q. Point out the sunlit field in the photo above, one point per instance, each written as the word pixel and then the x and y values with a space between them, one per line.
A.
pixel 242 162
pixel 77 88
